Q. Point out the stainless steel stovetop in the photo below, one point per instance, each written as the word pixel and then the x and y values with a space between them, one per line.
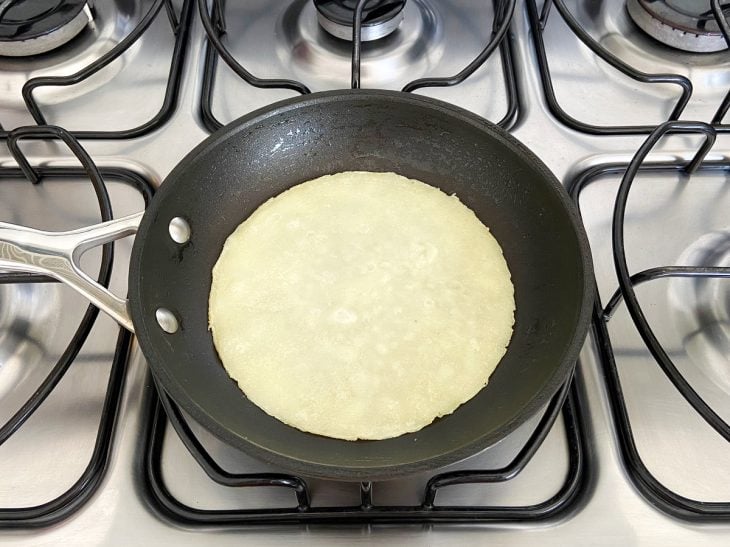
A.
pixel 656 475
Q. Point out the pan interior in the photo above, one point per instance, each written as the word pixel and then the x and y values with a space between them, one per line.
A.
pixel 227 177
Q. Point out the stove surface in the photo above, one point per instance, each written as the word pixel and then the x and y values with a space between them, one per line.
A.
pixel 670 220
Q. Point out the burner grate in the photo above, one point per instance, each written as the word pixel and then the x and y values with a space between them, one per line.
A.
pixel 658 494
pixel 66 504
pixel 538 21
pixel 215 27
pixel 569 399
pixel 180 27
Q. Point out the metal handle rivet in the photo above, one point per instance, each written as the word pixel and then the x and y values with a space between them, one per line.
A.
pixel 167 320
pixel 179 230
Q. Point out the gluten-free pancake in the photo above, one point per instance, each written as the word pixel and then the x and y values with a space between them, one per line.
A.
pixel 361 305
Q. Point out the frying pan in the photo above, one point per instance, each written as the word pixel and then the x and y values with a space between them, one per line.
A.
pixel 224 179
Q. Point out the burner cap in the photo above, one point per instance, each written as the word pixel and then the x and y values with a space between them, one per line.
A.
pixel 379 17
pixel 682 24
pixel 30 27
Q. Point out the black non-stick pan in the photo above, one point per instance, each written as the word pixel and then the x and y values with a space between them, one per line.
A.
pixel 223 180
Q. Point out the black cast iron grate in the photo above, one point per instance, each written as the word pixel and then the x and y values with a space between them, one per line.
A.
pixel 215 28
pixel 70 501
pixel 180 26
pixel 539 19
pixel 570 399
pixel 659 495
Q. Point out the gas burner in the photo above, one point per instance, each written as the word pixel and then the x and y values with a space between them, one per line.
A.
pixel 30 27
pixel 688 25
pixel 387 63
pixel 379 17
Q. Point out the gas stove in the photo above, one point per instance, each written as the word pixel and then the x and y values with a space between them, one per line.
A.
pixel 625 102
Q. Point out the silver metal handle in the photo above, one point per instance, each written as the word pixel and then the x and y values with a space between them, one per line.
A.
pixel 57 254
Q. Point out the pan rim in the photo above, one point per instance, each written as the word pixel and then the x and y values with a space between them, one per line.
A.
pixel 365 472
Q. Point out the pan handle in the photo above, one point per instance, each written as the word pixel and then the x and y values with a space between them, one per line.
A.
pixel 57 254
